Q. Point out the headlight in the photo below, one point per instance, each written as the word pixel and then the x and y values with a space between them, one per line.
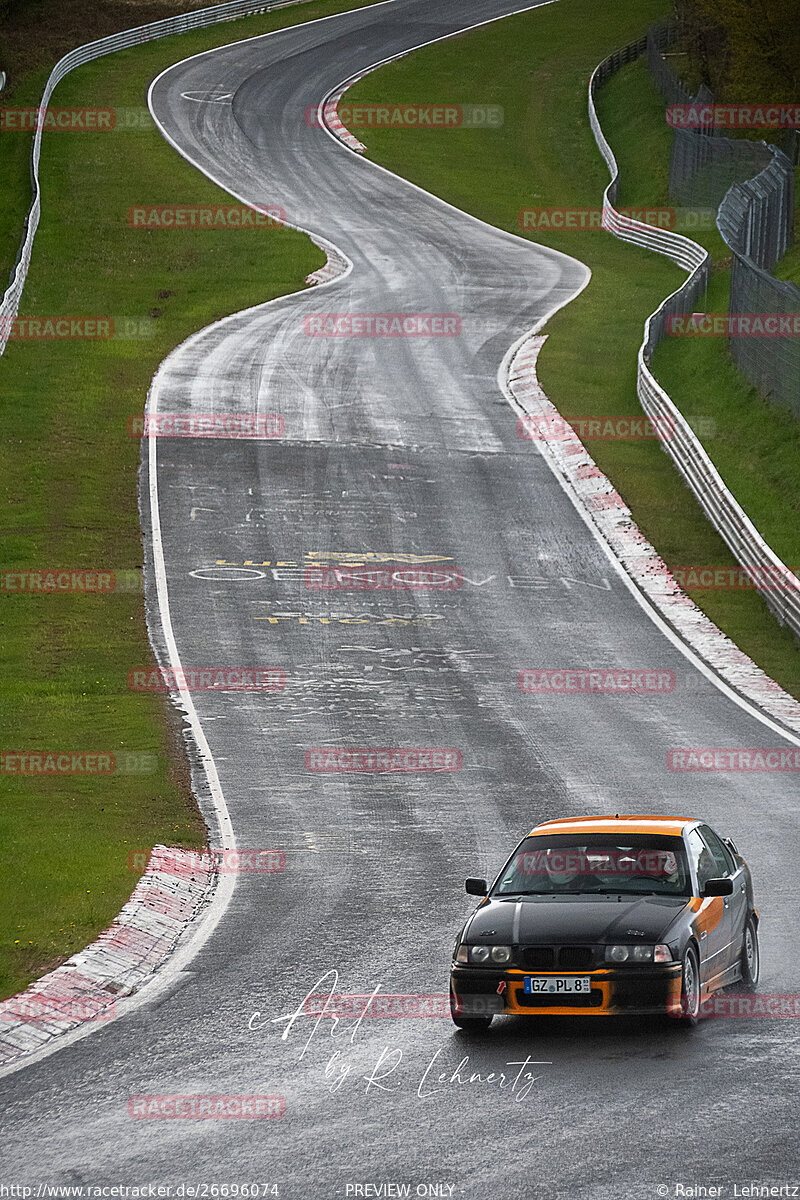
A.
pixel 482 954
pixel 620 954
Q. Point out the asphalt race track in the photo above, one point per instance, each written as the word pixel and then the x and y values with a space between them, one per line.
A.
pixel 404 447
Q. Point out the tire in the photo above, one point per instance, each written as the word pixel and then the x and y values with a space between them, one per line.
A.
pixel 751 955
pixel 468 1024
pixel 690 989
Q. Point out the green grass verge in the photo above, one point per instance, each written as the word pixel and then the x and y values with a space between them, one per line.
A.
pixel 537 66
pixel 756 447
pixel 69 493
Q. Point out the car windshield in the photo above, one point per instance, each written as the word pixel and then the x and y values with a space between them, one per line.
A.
pixel 563 864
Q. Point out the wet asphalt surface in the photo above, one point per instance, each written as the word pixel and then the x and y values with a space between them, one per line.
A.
pixel 404 451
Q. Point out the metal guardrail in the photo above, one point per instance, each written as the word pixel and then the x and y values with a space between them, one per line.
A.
pixel 201 18
pixel 780 588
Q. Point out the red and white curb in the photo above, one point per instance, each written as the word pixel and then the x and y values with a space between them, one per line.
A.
pixel 336 265
pixel 330 115
pixel 327 114
pixel 176 886
pixel 611 517
pixel 328 111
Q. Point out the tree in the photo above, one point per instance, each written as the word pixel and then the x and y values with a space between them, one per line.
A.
pixel 748 50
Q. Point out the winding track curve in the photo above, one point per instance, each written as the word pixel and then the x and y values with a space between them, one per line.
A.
pixel 403 447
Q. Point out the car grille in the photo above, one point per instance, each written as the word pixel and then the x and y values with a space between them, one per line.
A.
pixel 551 958
pixel 537 958
pixel 575 958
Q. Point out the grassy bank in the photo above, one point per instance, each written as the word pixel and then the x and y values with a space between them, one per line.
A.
pixel 537 66
pixel 68 473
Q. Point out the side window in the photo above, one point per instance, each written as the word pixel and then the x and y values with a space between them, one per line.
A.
pixel 703 863
pixel 719 852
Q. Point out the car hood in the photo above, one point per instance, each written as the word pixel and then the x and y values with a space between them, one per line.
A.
pixel 532 920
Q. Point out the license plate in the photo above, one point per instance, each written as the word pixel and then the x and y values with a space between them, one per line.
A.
pixel 568 984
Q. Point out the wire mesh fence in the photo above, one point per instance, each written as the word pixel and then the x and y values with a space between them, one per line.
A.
pixel 751 184
pixel 765 331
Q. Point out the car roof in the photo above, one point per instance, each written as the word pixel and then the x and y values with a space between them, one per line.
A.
pixel 623 823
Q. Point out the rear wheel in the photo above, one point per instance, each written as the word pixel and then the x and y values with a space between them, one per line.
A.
pixel 751 955
pixel 468 1024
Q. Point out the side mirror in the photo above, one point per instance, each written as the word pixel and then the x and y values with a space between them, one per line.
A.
pixel 476 887
pixel 718 887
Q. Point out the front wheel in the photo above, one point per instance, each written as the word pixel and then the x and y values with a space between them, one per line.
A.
pixel 690 988
pixel 468 1024
pixel 751 955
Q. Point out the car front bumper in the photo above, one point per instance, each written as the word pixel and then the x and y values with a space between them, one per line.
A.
pixel 480 992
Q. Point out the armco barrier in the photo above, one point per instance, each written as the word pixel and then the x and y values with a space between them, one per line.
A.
pixel 700 474
pixel 9 305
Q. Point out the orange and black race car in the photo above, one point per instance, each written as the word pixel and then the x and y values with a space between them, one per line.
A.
pixel 607 916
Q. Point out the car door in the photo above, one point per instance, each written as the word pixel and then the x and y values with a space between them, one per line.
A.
pixel 737 903
pixel 712 915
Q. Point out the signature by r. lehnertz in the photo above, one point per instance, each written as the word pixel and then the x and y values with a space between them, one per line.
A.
pixel 384 1074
